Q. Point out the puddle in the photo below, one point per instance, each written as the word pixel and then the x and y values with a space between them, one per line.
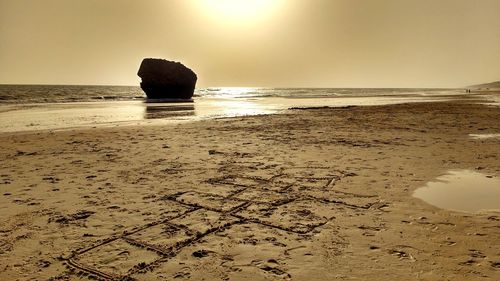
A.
pixel 463 190
pixel 484 136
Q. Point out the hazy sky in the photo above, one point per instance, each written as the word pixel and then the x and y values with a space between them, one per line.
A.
pixel 289 43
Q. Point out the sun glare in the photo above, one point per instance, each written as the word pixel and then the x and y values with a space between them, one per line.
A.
pixel 239 10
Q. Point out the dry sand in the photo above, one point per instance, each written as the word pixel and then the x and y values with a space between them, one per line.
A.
pixel 318 194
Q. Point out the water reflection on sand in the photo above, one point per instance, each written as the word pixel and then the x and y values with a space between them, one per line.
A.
pixel 484 136
pixel 29 117
pixel 462 190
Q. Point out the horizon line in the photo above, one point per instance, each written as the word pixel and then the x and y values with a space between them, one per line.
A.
pixel 249 87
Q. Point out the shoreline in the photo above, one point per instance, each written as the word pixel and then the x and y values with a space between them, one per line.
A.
pixel 306 194
pixel 75 115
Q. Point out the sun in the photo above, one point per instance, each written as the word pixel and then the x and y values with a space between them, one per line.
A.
pixel 240 10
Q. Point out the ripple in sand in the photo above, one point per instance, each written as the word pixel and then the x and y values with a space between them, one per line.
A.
pixel 462 190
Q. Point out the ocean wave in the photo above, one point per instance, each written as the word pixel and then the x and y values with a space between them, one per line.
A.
pixel 19 94
pixel 64 93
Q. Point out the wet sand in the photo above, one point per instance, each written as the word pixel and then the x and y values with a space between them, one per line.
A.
pixel 315 194
pixel 78 115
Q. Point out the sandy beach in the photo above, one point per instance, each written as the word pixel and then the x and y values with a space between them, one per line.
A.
pixel 309 194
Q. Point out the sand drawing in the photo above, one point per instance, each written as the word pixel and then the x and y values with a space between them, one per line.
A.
pixel 270 203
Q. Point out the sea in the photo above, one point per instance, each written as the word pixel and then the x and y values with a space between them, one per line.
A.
pixel 62 107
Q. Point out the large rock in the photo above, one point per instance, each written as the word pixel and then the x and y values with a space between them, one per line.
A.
pixel 163 79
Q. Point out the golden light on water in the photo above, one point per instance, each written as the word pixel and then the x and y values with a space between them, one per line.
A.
pixel 238 91
pixel 240 10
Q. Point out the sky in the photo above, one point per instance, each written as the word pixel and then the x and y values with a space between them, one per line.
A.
pixel 253 43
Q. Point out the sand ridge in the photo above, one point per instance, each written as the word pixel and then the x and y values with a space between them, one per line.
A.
pixel 315 194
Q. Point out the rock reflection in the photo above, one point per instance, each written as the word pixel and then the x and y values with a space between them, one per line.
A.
pixel 163 111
